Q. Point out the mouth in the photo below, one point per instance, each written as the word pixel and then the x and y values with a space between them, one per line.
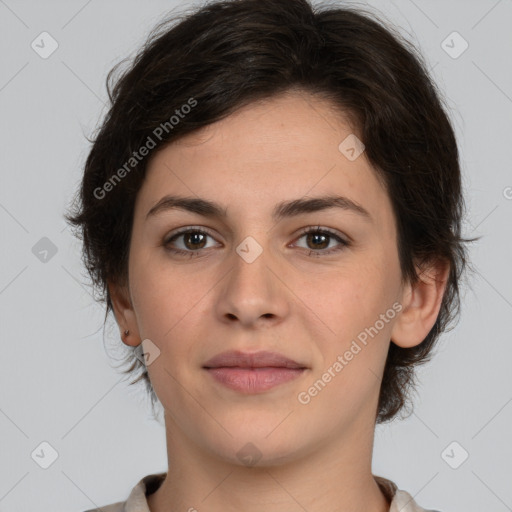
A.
pixel 253 373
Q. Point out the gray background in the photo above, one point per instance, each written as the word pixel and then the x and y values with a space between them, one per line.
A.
pixel 57 384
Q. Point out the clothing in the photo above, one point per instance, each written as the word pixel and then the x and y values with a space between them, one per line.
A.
pixel 401 501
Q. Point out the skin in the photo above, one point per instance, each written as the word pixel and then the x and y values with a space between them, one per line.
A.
pixel 314 456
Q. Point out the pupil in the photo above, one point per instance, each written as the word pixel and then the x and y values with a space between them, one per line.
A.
pixel 194 242
pixel 312 237
pixel 320 236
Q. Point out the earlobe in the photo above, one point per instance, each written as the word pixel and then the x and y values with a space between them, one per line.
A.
pixel 124 313
pixel 421 304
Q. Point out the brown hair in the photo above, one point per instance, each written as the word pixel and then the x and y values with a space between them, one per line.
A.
pixel 228 54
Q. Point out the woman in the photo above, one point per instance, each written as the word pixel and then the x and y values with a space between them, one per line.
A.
pixel 272 209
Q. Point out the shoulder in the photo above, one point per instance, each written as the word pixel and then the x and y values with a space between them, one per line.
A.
pixel 136 501
pixel 400 500
pixel 404 502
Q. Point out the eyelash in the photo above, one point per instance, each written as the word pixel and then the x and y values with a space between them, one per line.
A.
pixel 305 231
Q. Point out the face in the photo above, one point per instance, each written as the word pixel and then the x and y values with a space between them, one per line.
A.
pixel 250 279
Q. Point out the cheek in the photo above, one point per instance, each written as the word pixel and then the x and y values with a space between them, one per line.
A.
pixel 161 295
pixel 164 304
pixel 358 307
pixel 170 306
pixel 357 304
pixel 353 297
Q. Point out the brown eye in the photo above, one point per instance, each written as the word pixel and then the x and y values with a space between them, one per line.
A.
pixel 194 240
pixel 188 241
pixel 319 239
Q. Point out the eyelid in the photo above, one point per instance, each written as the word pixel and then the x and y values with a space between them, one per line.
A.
pixel 187 229
pixel 333 232
pixel 303 231
pixel 343 240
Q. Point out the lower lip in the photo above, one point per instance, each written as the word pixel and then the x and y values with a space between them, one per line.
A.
pixel 253 380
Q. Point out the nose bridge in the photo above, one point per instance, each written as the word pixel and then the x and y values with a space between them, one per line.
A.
pixel 250 290
pixel 251 275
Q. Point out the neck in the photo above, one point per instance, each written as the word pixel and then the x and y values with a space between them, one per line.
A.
pixel 332 478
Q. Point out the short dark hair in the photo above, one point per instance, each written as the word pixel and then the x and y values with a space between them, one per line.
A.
pixel 228 54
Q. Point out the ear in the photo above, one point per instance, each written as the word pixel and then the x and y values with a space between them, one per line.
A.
pixel 421 302
pixel 124 313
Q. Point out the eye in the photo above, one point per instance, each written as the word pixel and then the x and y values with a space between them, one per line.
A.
pixel 193 240
pixel 318 240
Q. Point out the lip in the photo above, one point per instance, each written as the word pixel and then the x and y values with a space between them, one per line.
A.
pixel 253 372
pixel 262 359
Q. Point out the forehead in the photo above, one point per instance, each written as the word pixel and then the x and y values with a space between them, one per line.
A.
pixel 282 148
pixel 287 128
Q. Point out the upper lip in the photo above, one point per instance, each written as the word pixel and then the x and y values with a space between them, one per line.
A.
pixel 263 359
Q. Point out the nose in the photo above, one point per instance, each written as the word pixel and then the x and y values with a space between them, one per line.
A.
pixel 252 293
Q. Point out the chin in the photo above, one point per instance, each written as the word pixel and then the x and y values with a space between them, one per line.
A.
pixel 253 448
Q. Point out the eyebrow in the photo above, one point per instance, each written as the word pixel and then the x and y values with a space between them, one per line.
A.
pixel 285 209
